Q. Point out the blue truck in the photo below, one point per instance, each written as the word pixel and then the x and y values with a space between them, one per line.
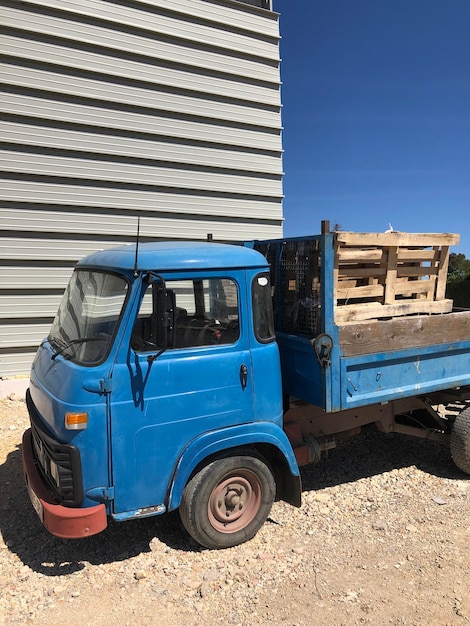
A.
pixel 200 376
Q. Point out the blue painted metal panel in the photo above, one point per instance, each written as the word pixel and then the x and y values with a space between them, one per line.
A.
pixel 163 256
pixel 331 373
pixel 302 375
pixel 213 442
pixel 157 408
pixel 147 440
pixel 58 387
pixel 267 385
pixel 386 376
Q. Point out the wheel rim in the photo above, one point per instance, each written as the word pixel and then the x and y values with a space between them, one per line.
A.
pixel 235 501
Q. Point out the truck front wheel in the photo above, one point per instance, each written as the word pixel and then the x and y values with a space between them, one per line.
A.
pixel 460 441
pixel 228 501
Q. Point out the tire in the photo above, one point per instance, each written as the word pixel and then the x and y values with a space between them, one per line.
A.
pixel 227 501
pixel 460 441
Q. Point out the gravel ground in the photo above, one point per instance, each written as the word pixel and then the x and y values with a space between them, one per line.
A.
pixel 382 537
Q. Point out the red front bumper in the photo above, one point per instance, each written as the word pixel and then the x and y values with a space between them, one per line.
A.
pixel 70 523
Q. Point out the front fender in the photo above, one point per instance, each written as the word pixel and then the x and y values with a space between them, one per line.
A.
pixel 210 443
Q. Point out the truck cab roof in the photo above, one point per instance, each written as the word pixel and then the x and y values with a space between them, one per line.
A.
pixel 175 255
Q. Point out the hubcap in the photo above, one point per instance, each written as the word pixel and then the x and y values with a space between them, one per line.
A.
pixel 235 501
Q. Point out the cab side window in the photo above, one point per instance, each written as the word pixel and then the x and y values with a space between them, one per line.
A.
pixel 206 313
pixel 263 318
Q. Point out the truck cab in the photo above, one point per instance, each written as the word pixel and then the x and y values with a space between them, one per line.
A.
pixel 159 388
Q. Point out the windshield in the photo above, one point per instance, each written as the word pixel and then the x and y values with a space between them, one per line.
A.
pixel 88 316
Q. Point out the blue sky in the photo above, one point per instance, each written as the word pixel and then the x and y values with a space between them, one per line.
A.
pixel 376 115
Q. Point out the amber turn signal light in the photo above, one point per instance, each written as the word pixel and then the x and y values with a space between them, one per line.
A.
pixel 76 421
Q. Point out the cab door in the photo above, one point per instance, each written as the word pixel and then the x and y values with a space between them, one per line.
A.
pixel 161 401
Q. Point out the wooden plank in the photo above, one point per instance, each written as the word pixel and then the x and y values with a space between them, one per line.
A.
pixel 361 272
pixel 367 311
pixel 433 276
pixel 405 254
pixel 403 332
pixel 364 291
pixel 360 255
pixel 412 287
pixel 397 239
pixel 442 274
pixel 406 270
pixel 347 283
pixel 390 281
pixel 367 255
pixel 336 270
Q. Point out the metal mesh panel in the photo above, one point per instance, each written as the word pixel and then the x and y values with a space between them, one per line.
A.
pixel 295 277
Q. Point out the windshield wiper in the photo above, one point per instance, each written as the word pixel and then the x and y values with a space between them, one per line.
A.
pixel 73 343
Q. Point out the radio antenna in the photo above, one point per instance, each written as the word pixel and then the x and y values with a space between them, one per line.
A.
pixel 136 273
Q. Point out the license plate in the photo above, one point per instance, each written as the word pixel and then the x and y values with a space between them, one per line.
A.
pixel 35 501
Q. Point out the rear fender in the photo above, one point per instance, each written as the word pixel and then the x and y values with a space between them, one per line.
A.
pixel 218 441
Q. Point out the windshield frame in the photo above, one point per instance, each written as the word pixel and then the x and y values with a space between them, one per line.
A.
pixel 69 346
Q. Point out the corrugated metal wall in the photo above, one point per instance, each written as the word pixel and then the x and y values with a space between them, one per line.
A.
pixel 110 109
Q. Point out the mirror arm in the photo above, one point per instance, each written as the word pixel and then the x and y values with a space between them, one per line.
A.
pixel 160 310
pixel 159 276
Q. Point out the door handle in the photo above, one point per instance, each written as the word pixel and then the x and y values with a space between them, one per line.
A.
pixel 243 376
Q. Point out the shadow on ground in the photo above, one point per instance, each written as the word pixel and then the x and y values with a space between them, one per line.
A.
pixel 373 453
pixel 369 454
pixel 24 535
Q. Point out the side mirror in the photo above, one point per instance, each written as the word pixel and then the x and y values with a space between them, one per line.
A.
pixel 164 305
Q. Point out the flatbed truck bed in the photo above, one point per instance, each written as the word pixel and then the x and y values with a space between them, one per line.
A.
pixel 366 335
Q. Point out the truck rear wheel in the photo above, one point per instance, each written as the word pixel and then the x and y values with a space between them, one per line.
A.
pixel 460 441
pixel 228 501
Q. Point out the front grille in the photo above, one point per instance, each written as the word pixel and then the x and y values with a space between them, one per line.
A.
pixel 59 464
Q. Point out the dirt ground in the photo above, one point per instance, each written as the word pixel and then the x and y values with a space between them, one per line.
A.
pixel 382 537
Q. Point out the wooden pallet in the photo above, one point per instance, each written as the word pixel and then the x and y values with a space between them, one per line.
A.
pixel 390 274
